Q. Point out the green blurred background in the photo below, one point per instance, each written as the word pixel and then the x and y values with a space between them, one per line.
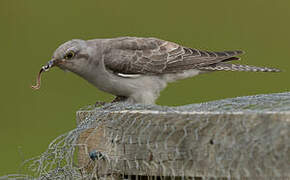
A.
pixel 31 30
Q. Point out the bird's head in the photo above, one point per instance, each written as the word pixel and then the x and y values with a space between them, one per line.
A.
pixel 73 55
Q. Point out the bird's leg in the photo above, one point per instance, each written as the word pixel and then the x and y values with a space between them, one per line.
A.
pixel 119 99
pixel 99 103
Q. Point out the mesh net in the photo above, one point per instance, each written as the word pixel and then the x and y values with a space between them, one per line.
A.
pixel 119 140
pixel 61 161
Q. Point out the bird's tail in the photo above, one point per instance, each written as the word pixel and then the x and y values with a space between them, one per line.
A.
pixel 237 67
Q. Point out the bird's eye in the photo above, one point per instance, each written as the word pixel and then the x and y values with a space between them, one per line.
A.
pixel 69 55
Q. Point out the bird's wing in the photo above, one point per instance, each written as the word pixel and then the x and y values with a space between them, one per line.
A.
pixel 130 55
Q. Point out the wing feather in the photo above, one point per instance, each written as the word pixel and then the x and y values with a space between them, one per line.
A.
pixel 131 55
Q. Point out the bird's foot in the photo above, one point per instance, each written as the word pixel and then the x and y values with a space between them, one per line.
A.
pixel 100 103
pixel 116 100
pixel 119 99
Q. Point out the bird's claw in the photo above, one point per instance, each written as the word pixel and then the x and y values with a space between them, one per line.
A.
pixel 100 103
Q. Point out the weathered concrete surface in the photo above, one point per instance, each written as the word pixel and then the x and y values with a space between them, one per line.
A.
pixel 239 137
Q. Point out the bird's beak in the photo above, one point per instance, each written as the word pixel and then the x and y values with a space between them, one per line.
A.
pixel 49 65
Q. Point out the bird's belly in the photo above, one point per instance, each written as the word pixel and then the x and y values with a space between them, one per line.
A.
pixel 121 86
pixel 182 75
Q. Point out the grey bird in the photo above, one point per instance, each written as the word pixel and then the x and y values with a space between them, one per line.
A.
pixel 136 69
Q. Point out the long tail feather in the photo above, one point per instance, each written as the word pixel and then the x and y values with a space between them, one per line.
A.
pixel 237 67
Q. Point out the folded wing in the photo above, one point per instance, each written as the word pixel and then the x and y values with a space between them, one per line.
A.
pixel 130 55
